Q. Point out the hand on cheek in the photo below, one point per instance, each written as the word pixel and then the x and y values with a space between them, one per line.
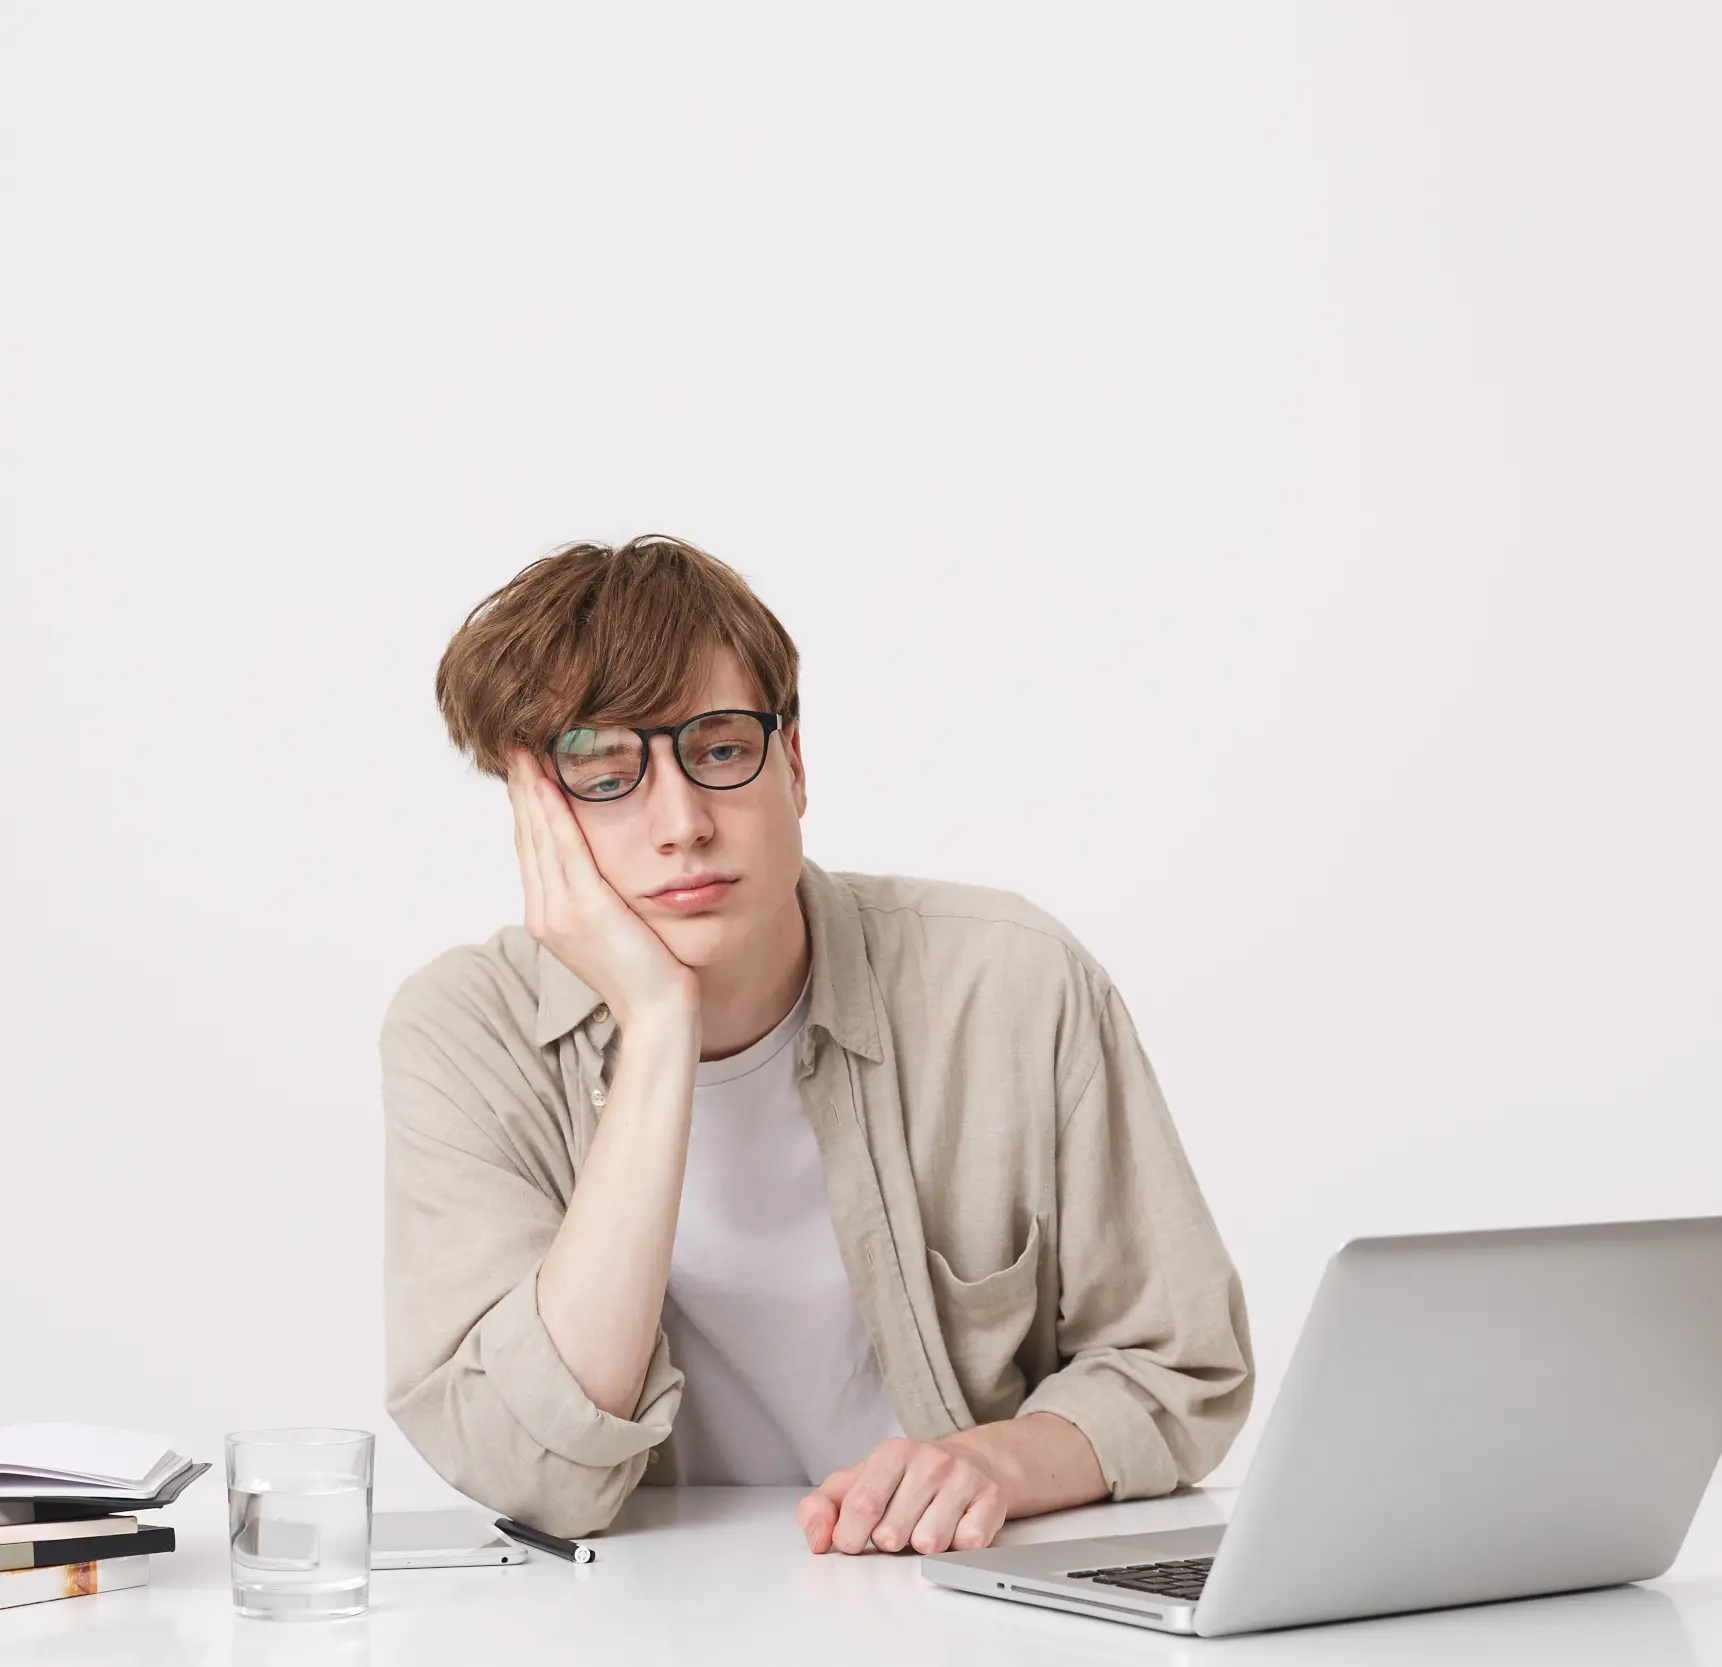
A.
pixel 904 1495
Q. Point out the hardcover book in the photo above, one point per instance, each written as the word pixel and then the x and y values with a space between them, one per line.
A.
pixel 90 1548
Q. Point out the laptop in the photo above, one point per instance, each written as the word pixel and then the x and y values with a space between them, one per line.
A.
pixel 1466 1417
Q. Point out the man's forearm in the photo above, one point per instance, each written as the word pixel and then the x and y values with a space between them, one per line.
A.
pixel 1043 1462
pixel 601 1286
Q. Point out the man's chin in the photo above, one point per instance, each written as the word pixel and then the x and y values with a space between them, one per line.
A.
pixel 697 940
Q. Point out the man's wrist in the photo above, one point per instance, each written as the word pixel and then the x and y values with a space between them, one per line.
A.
pixel 1000 1457
pixel 667 1030
pixel 1041 1461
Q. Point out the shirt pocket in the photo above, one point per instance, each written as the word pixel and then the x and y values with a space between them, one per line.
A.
pixel 984 1322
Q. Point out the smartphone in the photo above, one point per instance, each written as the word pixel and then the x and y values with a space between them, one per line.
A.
pixel 438 1540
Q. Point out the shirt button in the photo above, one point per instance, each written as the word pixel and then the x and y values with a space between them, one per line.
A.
pixel 597 1096
pixel 652 1457
pixel 600 1013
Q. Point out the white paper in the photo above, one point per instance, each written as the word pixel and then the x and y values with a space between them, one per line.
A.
pixel 83 1458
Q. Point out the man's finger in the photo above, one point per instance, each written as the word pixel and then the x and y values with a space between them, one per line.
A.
pixel 525 843
pixel 923 1477
pixel 817 1516
pixel 817 1511
pixel 559 880
pixel 869 1495
pixel 977 1526
pixel 939 1521
pixel 566 836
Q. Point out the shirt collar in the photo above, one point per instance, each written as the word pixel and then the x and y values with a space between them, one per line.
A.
pixel 840 1002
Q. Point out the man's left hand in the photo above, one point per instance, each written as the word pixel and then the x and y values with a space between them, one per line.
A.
pixel 925 1494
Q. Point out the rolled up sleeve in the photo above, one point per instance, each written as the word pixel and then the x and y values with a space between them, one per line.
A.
pixel 473 1378
pixel 1152 1333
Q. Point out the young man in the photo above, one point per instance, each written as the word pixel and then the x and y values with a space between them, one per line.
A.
pixel 729 1169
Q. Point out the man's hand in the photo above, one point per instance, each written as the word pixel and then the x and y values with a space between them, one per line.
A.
pixel 575 913
pixel 952 1494
pixel 926 1494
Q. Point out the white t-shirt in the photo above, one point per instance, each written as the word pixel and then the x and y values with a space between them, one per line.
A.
pixel 783 1383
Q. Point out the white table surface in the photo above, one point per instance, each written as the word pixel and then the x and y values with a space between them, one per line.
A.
pixel 719 1575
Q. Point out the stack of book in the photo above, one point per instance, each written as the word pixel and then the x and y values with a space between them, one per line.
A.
pixel 67 1497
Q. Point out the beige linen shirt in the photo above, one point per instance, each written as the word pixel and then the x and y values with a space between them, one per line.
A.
pixel 1015 1212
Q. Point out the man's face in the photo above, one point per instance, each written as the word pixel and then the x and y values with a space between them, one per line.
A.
pixel 669 828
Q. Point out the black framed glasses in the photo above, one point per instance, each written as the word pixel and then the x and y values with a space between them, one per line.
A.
pixel 720 750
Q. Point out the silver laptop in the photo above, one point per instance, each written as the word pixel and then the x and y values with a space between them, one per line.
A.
pixel 1466 1417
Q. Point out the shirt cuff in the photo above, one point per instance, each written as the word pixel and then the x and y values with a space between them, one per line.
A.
pixel 537 1388
pixel 1106 1407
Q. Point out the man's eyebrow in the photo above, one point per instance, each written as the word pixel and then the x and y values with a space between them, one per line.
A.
pixel 586 746
pixel 593 729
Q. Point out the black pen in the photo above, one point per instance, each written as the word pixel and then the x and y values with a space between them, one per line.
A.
pixel 571 1549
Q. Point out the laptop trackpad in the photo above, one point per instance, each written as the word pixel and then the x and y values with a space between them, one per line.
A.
pixel 1161 1547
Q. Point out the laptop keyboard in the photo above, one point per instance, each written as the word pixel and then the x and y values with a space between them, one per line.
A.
pixel 1181 1579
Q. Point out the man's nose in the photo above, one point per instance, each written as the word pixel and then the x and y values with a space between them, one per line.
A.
pixel 675 799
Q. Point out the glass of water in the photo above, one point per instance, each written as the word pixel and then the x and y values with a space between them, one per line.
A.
pixel 299 1522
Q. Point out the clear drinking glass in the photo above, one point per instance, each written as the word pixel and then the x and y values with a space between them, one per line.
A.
pixel 299 1522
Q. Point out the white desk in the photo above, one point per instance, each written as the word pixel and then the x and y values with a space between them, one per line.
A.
pixel 721 1575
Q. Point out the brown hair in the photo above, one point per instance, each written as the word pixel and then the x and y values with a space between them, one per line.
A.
pixel 608 635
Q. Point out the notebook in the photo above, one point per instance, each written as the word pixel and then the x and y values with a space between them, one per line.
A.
pixel 56 1471
pixel 51 1508
pixel 86 1548
pixel 71 1580
pixel 78 1528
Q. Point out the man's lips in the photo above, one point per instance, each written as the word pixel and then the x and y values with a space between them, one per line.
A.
pixel 712 890
pixel 694 882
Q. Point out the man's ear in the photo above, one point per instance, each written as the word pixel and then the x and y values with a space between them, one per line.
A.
pixel 798 771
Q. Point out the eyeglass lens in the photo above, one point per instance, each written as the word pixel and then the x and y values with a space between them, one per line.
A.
pixel 718 749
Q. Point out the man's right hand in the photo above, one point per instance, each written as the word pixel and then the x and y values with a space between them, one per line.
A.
pixel 575 913
pixel 621 1217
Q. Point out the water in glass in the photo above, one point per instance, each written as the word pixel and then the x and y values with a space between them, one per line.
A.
pixel 299 1524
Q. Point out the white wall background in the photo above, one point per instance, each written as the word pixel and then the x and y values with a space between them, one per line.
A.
pixel 1303 418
